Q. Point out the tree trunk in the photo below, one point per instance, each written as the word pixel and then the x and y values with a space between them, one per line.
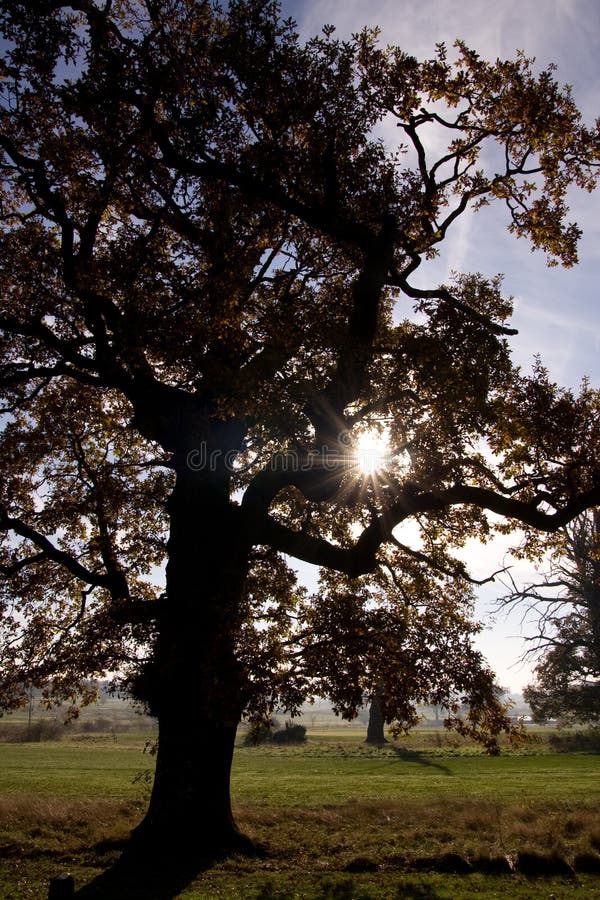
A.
pixel 193 683
pixel 376 724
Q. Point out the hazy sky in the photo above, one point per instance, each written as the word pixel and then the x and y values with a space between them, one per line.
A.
pixel 556 310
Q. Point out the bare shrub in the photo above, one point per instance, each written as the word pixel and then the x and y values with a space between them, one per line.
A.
pixel 42 730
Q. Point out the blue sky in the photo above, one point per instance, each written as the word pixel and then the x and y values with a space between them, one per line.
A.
pixel 556 310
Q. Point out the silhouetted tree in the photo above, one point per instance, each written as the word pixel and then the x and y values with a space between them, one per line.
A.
pixel 567 603
pixel 404 641
pixel 207 296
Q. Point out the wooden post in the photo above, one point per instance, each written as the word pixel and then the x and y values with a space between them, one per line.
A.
pixel 61 888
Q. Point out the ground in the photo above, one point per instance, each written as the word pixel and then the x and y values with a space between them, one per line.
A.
pixel 427 817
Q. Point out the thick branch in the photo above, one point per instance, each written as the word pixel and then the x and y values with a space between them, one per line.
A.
pixel 360 557
pixel 51 552
pixel 443 295
pixel 350 561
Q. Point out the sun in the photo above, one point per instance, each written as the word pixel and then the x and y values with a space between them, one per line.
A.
pixel 372 452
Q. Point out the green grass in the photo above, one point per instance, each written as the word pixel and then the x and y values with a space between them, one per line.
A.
pixel 339 819
pixel 105 766
pixel 392 887
pixel 95 766
pixel 295 779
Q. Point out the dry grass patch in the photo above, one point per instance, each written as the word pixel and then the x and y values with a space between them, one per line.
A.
pixel 399 834
pixel 31 825
pixel 386 834
pixel 364 849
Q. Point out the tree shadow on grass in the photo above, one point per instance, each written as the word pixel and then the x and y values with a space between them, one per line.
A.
pixel 144 880
pixel 419 757
pixel 160 876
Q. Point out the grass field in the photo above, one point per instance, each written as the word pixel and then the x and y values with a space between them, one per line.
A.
pixel 428 819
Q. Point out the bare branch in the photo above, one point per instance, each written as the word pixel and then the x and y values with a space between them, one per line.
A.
pixel 459 570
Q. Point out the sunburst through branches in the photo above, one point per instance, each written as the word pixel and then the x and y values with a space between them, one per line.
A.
pixel 373 452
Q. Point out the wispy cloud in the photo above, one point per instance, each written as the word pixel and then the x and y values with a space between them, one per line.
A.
pixel 566 32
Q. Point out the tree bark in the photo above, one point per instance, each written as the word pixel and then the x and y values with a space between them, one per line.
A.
pixel 193 683
pixel 375 734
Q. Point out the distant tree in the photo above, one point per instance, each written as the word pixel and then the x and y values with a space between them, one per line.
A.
pixel 400 642
pixel 207 298
pixel 567 601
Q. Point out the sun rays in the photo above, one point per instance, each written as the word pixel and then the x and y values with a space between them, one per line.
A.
pixel 372 453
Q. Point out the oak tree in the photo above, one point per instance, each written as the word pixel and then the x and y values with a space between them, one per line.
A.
pixel 208 295
pixel 399 642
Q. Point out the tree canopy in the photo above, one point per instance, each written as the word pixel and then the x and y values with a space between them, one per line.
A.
pixel 209 257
